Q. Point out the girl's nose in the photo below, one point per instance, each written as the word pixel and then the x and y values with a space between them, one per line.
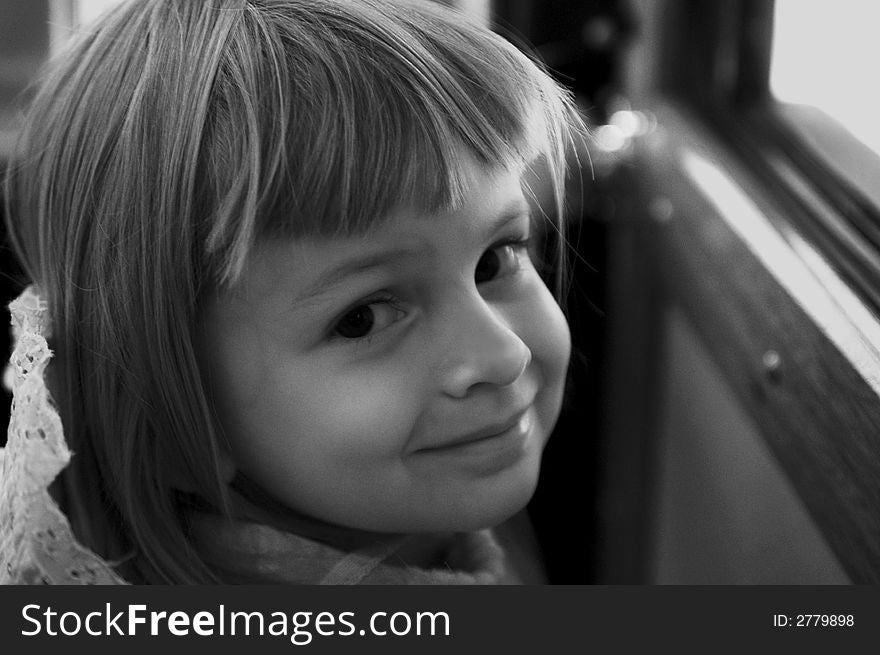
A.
pixel 485 351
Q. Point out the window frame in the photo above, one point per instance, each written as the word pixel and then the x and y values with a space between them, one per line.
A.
pixel 735 101
pixel 701 68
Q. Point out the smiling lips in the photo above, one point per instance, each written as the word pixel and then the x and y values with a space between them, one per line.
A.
pixel 515 424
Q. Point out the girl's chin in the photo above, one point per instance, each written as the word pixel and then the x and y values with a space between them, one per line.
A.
pixel 478 509
pixel 459 504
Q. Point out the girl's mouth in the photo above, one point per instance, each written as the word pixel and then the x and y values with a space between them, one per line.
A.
pixel 513 426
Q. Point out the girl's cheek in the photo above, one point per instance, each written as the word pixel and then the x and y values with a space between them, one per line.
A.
pixel 546 333
pixel 368 409
pixel 562 332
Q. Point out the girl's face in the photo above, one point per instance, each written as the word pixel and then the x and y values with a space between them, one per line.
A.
pixel 403 381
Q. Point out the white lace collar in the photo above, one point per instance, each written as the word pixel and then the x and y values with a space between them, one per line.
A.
pixel 36 542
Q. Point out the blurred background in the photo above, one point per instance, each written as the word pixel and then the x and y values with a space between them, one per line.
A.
pixel 723 423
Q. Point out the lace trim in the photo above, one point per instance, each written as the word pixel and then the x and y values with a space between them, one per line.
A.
pixel 36 542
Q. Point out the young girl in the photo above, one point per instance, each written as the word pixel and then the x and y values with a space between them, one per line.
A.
pixel 285 251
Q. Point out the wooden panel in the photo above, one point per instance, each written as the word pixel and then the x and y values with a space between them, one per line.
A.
pixel 725 513
pixel 764 303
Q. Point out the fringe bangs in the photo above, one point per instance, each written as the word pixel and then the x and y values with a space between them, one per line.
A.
pixel 324 126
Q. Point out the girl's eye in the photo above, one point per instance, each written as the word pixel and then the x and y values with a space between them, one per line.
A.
pixel 365 319
pixel 501 260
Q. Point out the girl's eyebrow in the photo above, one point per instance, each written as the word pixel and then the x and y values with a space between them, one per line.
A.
pixel 335 275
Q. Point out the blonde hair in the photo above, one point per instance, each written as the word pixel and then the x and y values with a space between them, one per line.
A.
pixel 174 136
